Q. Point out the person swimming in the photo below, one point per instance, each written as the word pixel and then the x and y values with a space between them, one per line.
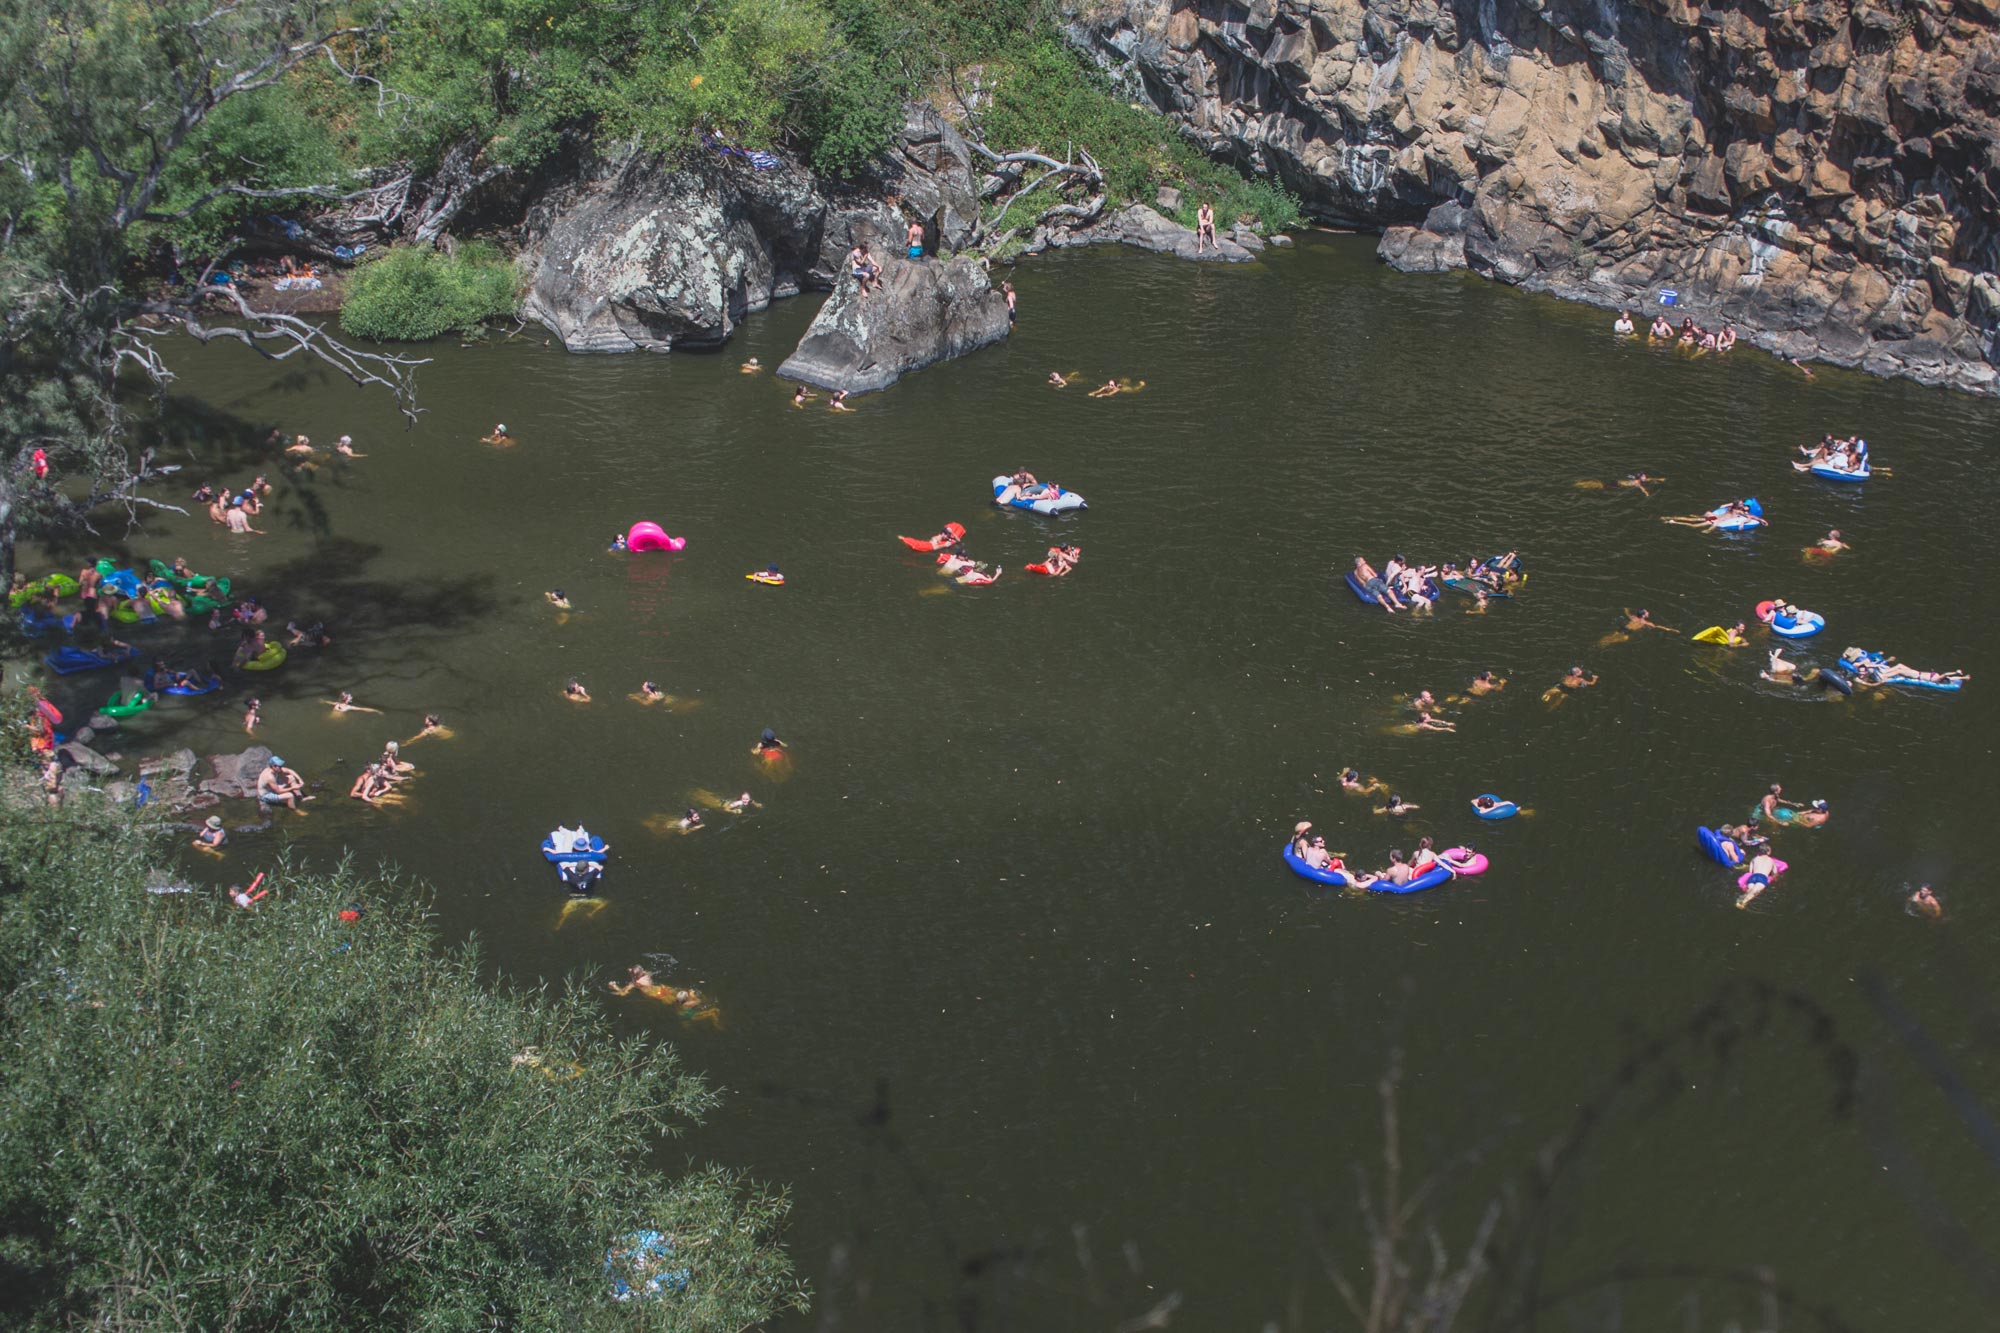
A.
pixel 1397 808
pixel 1425 722
pixel 618 542
pixel 1814 815
pixel 344 446
pixel 1638 482
pixel 499 436
pixel 1058 379
pixel 752 366
pixel 1486 683
pixel 1106 389
pixel 575 692
pixel 1774 807
pixel 802 396
pixel 650 693
pixel 838 403
pixel 1643 619
pixel 768 745
pixel 690 820
pixel 1352 781
pixel 1925 904
pixel 345 704
pixel 742 804
pixel 253 713
pixel 556 597
pixel 1576 680
pixel 1781 670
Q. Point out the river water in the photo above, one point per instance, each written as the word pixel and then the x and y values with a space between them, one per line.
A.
pixel 1016 994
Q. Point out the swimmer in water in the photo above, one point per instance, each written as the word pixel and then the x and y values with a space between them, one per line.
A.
pixel 212 835
pixel 1776 809
pixel 300 447
pixel 1352 781
pixel 743 804
pixel 1763 869
pixel 1105 390
pixel 1925 904
pixel 838 403
pixel 1829 545
pixel 433 726
pixel 1643 619
pixel 1425 722
pixel 618 542
pixel 752 366
pixel 1397 808
pixel 1575 680
pixel 499 436
pixel 1638 482
pixel 1058 379
pixel 1486 683
pixel 1782 670
pixel 371 786
pixel 803 396
pixel 556 597
pixel 344 446
pixel 690 821
pixel 575 692
pixel 253 713
pixel 1424 699
pixel 649 693
pixel 1814 815
pixel 345 704
pixel 768 745
pixel 641 981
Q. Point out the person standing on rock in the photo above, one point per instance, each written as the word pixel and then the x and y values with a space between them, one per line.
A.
pixel 1204 226
pixel 915 240
pixel 1007 290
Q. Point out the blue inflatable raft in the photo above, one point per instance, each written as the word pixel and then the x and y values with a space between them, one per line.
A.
pixel 1723 851
pixel 210 686
pixel 569 850
pixel 1805 626
pixel 1430 590
pixel 1062 502
pixel 1756 520
pixel 1499 810
pixel 66 660
pixel 1333 878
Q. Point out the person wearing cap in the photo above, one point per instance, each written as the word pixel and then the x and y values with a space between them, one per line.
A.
pixel 556 597
pixel 575 692
pixel 752 366
pixel 1301 837
pixel 345 445
pixel 499 436
pixel 1814 815
pixel 279 785
pixel 768 745
pixel 211 835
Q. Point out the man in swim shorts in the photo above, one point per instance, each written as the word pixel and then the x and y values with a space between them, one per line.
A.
pixel 279 785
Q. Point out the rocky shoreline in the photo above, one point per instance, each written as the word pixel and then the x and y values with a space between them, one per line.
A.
pixel 1817 173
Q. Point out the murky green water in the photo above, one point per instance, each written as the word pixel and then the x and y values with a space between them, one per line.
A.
pixel 1016 992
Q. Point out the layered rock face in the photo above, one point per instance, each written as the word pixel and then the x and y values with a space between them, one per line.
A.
pixel 634 254
pixel 1825 174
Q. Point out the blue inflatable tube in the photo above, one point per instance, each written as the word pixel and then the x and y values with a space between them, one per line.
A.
pixel 1808 624
pixel 33 622
pixel 66 660
pixel 214 684
pixel 1738 524
pixel 1723 851
pixel 1439 873
pixel 1061 503
pixel 1332 878
pixel 123 582
pixel 1949 686
pixel 1501 809
pixel 1836 474
pixel 596 852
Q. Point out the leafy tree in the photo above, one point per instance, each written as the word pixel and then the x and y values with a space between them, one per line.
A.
pixel 279 1118
pixel 105 110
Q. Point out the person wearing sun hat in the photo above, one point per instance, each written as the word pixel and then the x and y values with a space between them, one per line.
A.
pixel 211 835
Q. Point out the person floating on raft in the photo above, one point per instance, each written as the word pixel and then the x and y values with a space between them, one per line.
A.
pixel 962 568
pixel 1059 561
pixel 1736 516
pixel 951 535
pixel 769 576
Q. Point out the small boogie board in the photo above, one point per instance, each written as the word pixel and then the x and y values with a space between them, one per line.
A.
pixel 772 580
pixel 1716 634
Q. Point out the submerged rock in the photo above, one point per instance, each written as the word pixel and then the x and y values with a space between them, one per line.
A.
pixel 926 311
pixel 1141 226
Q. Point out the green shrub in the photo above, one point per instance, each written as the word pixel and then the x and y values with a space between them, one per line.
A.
pixel 411 293
pixel 284 1118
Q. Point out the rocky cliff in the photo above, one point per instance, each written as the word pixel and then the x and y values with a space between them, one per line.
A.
pixel 638 253
pixel 1825 173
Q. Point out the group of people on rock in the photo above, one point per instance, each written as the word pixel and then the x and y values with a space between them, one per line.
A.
pixel 1687 335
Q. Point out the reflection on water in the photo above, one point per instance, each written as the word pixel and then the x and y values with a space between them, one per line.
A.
pixel 1009 948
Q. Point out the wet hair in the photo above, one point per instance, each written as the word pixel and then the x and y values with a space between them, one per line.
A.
pixel 1396 857
pixel 1395 799
pixel 1349 774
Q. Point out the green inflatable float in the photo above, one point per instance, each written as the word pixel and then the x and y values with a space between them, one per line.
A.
pixel 138 703
pixel 62 585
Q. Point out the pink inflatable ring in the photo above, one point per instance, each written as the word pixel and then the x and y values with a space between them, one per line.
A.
pixel 648 536
pixel 1463 860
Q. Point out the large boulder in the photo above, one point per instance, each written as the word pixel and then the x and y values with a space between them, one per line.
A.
pixel 646 253
pixel 236 774
pixel 924 312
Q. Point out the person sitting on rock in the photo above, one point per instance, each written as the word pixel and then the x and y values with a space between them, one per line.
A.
pixel 866 271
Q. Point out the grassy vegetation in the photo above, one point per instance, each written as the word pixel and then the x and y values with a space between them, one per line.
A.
pixel 411 293
pixel 1047 96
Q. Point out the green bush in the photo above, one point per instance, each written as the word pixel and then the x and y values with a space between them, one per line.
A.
pixel 411 293
pixel 280 1118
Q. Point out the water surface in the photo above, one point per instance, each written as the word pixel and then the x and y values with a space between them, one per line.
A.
pixel 1017 995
